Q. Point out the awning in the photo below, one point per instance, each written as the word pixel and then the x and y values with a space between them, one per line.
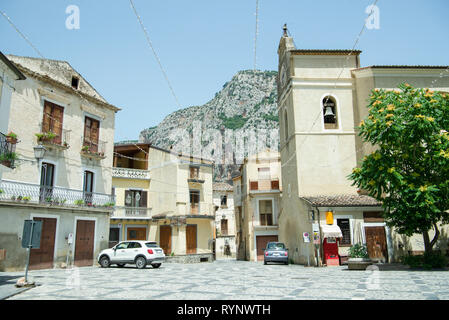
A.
pixel 331 231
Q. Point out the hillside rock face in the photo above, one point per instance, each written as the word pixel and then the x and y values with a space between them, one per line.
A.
pixel 241 119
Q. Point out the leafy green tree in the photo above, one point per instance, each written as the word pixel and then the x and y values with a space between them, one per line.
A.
pixel 409 171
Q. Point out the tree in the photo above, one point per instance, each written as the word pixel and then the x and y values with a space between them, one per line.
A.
pixel 409 171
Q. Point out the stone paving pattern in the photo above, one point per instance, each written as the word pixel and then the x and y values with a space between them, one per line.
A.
pixel 224 280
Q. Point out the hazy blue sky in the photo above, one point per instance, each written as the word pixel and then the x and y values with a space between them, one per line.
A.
pixel 203 43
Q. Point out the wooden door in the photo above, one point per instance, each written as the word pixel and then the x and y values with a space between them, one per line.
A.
pixel 376 243
pixel 84 243
pixel 165 239
pixel 42 258
pixel 136 233
pixel 191 239
pixel 261 243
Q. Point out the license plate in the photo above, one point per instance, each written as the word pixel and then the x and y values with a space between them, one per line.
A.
pixel 276 254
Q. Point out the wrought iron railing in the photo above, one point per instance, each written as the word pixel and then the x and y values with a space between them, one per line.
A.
pixel 53 138
pixel 7 152
pixel 20 192
pixel 94 148
pixel 130 173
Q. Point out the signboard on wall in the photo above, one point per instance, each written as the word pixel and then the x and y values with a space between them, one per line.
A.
pixel 306 237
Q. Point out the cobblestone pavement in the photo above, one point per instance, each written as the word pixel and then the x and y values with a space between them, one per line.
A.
pixel 235 280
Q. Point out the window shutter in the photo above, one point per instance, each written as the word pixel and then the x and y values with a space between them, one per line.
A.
pixel 47 117
pixel 58 113
pixel 144 199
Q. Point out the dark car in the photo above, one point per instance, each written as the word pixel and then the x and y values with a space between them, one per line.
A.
pixel 275 252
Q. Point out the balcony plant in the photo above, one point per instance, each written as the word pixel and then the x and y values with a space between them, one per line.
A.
pixel 79 202
pixel 26 199
pixel 8 158
pixel 46 136
pixel 11 137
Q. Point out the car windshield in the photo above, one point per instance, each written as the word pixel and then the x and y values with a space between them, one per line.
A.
pixel 151 244
pixel 122 245
pixel 275 246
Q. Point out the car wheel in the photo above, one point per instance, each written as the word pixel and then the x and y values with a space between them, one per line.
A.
pixel 105 262
pixel 141 262
pixel 156 265
pixel 120 265
pixel 264 262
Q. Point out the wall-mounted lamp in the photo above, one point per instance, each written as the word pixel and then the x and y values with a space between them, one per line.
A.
pixel 39 153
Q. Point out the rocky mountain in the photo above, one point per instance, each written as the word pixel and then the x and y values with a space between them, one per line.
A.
pixel 245 108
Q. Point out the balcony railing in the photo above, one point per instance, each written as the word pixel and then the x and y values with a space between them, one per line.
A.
pixel 7 152
pixel 93 149
pixel 132 212
pixel 264 184
pixel 130 173
pixel 53 139
pixel 20 192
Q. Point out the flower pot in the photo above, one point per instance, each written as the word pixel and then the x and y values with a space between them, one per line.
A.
pixel 359 263
pixel 11 140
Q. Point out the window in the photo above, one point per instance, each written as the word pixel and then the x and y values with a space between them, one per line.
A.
pixel 47 182
pixel 114 236
pixel 52 121
pixel 264 173
pixel 224 200
pixel 345 230
pixel 123 245
pixel 285 124
pixel 194 201
pixel 266 212
pixel 88 186
pixel 134 245
pixel 194 172
pixel 75 82
pixel 91 133
pixel 330 113
pixel 224 227
pixel 135 199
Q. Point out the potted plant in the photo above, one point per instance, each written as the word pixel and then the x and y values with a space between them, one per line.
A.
pixel 7 158
pixel 26 199
pixel 45 136
pixel 358 257
pixel 11 137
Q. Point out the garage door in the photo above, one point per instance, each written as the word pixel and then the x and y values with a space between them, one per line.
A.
pixel 165 239
pixel 135 233
pixel 261 243
pixel 84 243
pixel 42 258
pixel 191 239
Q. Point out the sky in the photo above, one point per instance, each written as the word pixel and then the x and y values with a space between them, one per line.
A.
pixel 201 44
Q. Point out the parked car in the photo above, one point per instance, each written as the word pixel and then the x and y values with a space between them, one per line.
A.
pixel 275 252
pixel 140 253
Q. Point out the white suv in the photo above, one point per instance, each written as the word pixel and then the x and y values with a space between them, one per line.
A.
pixel 139 253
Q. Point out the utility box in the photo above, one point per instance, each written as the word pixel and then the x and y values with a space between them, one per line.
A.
pixel 330 251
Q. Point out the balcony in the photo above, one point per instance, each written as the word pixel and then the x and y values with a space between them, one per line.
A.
pixel 7 152
pixel 128 173
pixel 93 149
pixel 131 212
pixel 195 176
pixel 54 140
pixel 27 193
pixel 271 184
